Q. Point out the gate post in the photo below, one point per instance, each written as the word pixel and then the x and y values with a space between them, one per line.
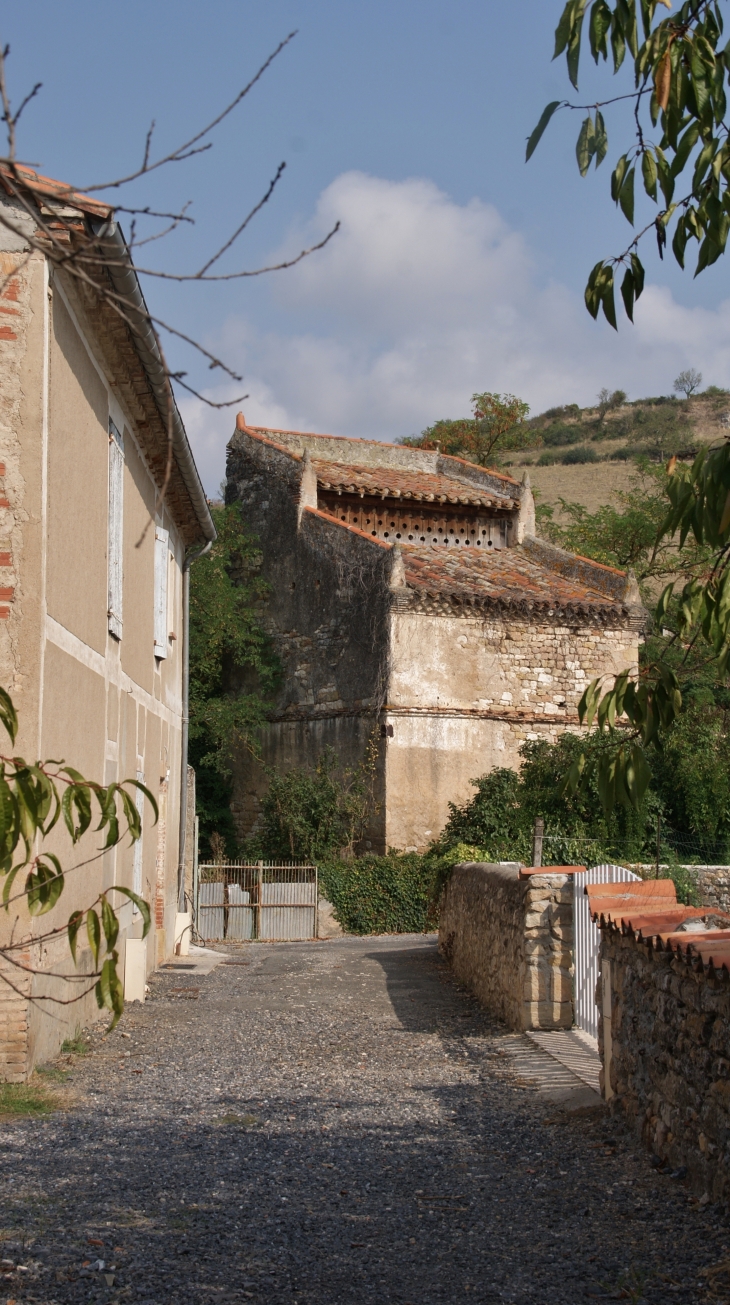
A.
pixel 537 834
pixel 259 895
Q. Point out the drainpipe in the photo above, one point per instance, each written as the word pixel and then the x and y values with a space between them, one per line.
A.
pixel 193 557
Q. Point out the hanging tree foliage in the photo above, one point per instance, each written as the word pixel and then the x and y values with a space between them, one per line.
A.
pixel 33 799
pixel 681 156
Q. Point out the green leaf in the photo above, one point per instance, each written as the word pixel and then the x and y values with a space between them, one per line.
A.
pixel 44 884
pixel 666 180
pixel 609 303
pixel 626 196
pixel 649 174
pixel 600 25
pixel 628 293
pixel 8 714
pixel 586 145
pixel 534 139
pixel 75 921
pixel 679 243
pixel 618 43
pixel 110 924
pixel 684 148
pixel 93 930
pixel 141 905
pixel 637 268
pixel 563 29
pixel 617 177
pixel 601 139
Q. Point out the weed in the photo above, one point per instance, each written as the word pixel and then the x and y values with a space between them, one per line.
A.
pixel 76 1046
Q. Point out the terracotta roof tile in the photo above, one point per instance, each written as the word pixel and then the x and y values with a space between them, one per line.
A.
pixel 505 576
pixel 270 433
pixel 421 486
pixel 59 191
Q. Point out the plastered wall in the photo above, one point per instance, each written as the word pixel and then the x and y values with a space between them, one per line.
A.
pixel 108 708
pixel 465 694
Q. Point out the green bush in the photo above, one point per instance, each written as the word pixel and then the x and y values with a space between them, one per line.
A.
pixel 558 434
pixel 382 894
pixel 308 815
pixel 397 893
pixel 582 454
pixel 547 459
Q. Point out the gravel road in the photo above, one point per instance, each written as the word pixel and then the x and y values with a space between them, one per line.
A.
pixel 335 1122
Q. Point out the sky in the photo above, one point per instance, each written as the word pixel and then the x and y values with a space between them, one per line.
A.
pixel 457 267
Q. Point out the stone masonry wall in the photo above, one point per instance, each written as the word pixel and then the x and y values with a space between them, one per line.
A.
pixel 668 1053
pixel 510 940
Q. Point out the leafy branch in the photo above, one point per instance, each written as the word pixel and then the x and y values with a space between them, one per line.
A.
pixel 33 799
pixel 680 75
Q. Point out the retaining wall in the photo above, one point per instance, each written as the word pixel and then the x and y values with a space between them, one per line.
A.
pixel 510 941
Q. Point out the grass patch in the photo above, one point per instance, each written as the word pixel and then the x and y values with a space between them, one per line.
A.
pixel 26 1100
pixel 52 1074
pixel 78 1046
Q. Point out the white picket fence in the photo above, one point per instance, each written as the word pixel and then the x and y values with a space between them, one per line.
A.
pixel 588 941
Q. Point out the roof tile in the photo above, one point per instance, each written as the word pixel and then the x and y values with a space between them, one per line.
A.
pixel 421 486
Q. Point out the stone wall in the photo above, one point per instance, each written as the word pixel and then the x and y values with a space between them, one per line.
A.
pixel 510 940
pixel 664 1038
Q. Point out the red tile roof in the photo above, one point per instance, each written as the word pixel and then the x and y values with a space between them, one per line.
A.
pixel 59 191
pixel 418 486
pixel 347 443
pixel 507 577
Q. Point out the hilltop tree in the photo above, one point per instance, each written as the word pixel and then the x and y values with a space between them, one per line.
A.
pixel 498 425
pixel 688 381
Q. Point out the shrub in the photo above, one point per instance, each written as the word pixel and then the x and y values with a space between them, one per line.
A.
pixel 558 433
pixel 313 814
pixel 715 392
pixel 383 894
pixel 547 459
pixel 578 455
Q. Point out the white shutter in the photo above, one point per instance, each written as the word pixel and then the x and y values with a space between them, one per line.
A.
pixel 116 530
pixel 161 630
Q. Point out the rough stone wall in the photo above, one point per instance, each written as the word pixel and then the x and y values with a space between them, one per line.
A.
pixel 465 693
pixel 327 613
pixel 669 1055
pixel 510 941
pixel 713 885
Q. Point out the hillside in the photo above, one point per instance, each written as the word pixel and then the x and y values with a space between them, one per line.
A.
pixel 584 455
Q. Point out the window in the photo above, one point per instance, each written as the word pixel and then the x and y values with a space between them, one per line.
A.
pixel 116 530
pixel 161 566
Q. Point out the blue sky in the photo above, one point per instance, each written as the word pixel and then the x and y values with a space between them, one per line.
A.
pixel 457 268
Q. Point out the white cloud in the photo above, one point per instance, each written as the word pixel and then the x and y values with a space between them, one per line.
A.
pixel 418 302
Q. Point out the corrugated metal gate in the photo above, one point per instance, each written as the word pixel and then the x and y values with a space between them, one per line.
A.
pixel 587 942
pixel 239 902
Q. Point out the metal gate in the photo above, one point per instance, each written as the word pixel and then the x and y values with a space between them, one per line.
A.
pixel 240 902
pixel 587 942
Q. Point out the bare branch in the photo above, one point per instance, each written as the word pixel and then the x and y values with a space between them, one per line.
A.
pixel 256 209
pixel 186 151
pixel 238 276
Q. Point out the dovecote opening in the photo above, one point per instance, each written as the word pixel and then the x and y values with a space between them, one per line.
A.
pixel 417 525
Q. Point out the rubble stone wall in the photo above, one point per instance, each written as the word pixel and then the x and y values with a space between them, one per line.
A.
pixel 510 941
pixel 664 1038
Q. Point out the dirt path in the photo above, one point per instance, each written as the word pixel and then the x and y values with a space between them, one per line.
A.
pixel 336 1122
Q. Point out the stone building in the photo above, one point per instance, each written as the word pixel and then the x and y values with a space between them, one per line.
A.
pixel 410 598
pixel 92 560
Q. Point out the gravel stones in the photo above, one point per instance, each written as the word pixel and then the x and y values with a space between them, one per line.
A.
pixel 334 1122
